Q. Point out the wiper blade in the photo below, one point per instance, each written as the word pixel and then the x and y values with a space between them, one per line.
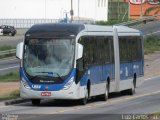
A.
pixel 59 77
pixel 36 76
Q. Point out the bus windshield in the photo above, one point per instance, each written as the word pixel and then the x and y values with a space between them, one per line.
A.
pixel 48 57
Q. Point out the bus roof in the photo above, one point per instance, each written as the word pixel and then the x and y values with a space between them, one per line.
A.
pixel 63 29
pixel 50 29
pixel 120 29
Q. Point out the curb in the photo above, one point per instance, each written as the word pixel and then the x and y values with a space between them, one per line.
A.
pixel 16 101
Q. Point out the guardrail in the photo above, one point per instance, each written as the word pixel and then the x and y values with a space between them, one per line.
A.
pixel 144 19
pixel 7 53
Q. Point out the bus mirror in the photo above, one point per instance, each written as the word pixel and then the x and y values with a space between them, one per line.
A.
pixel 19 50
pixel 79 51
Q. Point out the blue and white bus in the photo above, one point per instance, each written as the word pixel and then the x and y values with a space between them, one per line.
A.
pixel 77 61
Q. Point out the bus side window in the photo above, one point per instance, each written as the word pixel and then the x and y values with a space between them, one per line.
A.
pixel 85 41
pixel 122 49
pixel 95 51
pixel 107 50
pixel 139 48
pixel 111 48
pixel 136 49
pixel 99 47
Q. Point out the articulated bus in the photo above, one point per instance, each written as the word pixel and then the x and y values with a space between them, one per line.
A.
pixel 78 61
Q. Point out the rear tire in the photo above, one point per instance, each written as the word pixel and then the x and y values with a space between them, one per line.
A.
pixel 36 102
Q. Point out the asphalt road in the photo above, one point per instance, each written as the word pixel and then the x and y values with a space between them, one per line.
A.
pixel 151 28
pixel 13 41
pixel 9 65
pixel 145 101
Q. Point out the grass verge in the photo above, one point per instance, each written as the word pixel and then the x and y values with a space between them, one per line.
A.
pixel 10 77
pixel 7 47
pixel 151 44
pixel 4 48
pixel 12 95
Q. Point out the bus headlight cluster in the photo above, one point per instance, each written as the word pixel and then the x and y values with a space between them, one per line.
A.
pixel 68 84
pixel 25 84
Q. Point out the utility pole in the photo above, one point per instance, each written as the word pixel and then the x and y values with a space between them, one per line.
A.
pixel 118 11
pixel 78 10
pixel 45 9
pixel 71 11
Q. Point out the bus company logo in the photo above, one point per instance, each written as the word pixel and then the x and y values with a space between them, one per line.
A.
pixel 36 86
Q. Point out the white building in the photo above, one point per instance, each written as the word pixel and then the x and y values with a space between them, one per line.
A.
pixel 54 9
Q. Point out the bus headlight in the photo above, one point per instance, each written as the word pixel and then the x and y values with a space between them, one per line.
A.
pixel 25 84
pixel 68 84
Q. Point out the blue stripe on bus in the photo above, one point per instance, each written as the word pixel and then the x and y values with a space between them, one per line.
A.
pixel 127 70
pixel 98 74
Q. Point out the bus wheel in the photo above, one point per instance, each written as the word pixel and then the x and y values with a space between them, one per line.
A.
pixel 105 95
pixel 84 100
pixel 36 102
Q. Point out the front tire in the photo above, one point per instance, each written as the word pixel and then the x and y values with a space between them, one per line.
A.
pixel 36 102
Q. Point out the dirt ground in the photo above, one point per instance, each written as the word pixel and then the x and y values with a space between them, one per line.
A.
pixel 152 68
pixel 8 87
pixel 152 64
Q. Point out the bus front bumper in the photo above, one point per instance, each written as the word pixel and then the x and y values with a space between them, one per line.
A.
pixel 70 93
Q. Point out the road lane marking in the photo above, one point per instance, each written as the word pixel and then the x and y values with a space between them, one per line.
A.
pixel 5 59
pixel 152 33
pixel 147 79
pixel 109 102
pixel 8 68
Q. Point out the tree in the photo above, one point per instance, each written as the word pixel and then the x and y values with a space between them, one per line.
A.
pixel 156 9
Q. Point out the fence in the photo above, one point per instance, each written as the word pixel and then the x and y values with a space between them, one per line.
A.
pixel 118 11
pixel 25 23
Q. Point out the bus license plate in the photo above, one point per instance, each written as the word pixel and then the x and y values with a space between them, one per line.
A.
pixel 45 93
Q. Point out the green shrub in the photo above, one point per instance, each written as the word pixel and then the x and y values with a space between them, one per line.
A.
pixel 151 44
pixel 10 77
